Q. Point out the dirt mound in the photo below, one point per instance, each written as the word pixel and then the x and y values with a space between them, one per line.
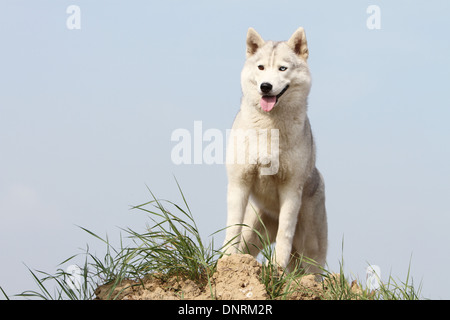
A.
pixel 236 277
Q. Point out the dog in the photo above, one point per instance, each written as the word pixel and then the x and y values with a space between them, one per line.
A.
pixel 278 192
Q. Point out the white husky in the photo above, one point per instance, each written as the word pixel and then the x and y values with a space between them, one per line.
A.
pixel 290 202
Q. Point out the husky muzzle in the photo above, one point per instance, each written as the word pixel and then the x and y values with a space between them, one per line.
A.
pixel 268 102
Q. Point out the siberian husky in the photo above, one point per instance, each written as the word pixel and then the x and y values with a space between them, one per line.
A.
pixel 290 200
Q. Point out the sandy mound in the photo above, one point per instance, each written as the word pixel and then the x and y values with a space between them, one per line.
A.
pixel 236 277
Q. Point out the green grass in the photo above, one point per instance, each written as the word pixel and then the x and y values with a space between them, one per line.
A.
pixel 172 246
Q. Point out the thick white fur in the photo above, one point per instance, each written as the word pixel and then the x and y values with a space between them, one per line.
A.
pixel 291 202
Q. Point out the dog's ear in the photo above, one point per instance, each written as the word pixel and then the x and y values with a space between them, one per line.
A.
pixel 254 42
pixel 298 43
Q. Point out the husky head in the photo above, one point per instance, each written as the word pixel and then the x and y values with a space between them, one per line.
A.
pixel 275 72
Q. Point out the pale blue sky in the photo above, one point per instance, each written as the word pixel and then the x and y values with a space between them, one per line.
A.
pixel 86 118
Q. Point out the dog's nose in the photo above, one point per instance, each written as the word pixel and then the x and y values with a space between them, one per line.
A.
pixel 266 87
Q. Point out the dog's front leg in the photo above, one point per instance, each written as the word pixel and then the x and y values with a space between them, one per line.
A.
pixel 290 202
pixel 237 199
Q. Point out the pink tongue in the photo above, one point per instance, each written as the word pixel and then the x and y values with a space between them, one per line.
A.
pixel 267 102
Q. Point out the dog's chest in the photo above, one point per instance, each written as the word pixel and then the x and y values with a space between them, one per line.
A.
pixel 274 152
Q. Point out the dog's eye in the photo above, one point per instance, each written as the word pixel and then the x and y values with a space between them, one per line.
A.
pixel 261 67
pixel 282 68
